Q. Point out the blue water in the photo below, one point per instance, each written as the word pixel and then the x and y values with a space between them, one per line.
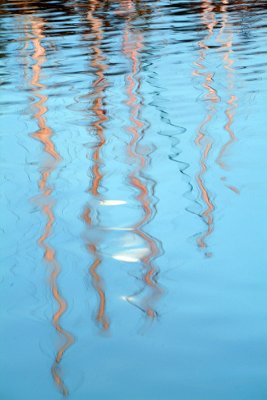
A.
pixel 133 198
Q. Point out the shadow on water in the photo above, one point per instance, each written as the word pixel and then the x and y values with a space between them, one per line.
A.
pixel 44 200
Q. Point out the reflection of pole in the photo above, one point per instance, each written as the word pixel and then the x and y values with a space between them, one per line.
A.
pixel 231 102
pixel 202 140
pixel 44 135
pixel 131 47
pixel 99 86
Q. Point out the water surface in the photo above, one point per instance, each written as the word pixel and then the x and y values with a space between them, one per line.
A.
pixel 133 197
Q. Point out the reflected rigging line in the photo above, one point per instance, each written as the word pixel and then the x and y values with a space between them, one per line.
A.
pixel 202 140
pixel 44 135
pixel 132 45
pixel 99 86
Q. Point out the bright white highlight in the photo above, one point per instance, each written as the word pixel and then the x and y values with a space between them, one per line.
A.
pixel 112 202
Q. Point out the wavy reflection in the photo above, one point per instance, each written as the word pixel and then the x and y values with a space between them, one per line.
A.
pixel 44 135
pixel 99 86
pixel 132 47
pixel 23 52
pixel 203 140
pixel 232 100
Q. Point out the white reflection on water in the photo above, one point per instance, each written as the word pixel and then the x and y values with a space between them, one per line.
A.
pixel 112 202
pixel 132 255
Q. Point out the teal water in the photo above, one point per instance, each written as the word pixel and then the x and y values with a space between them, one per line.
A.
pixel 133 198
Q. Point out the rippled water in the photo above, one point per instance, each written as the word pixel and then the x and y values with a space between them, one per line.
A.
pixel 133 161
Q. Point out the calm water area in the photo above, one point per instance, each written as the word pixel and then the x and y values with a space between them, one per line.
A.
pixel 133 200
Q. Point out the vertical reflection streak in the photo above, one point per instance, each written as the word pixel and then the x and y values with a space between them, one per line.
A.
pixel 232 100
pixel 99 86
pixel 44 135
pixel 132 46
pixel 202 140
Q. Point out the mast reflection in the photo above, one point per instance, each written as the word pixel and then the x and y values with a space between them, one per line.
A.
pixel 99 86
pixel 45 201
pixel 228 62
pixel 132 47
pixel 203 140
